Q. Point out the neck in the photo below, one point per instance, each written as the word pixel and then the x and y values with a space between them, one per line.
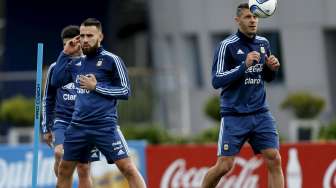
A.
pixel 247 34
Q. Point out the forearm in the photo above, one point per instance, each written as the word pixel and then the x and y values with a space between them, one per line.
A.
pixel 48 109
pixel 118 92
pixel 47 119
pixel 61 75
pixel 48 102
pixel 47 124
pixel 220 80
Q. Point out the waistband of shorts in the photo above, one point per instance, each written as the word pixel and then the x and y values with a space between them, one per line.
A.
pixel 93 126
pixel 263 110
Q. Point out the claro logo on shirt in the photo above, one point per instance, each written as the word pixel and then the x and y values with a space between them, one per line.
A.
pixel 252 80
pixel 69 97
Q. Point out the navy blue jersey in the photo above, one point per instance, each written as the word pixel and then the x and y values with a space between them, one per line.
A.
pixel 243 89
pixel 97 107
pixel 57 103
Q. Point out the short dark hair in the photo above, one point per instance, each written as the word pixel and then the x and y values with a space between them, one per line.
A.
pixel 92 22
pixel 70 31
pixel 240 7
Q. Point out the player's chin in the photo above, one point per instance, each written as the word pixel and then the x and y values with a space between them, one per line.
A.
pixel 87 49
pixel 253 31
pixel 91 51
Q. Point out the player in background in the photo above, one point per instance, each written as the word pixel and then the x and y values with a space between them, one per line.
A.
pixel 242 63
pixel 58 104
pixel 102 79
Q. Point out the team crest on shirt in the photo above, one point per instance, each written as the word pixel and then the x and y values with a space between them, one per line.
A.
pixel 99 62
pixel 262 49
pixel 226 147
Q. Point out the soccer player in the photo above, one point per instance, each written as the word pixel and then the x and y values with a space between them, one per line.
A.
pixel 58 104
pixel 242 63
pixel 102 79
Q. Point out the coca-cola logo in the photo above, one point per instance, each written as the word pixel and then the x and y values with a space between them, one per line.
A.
pixel 178 176
pixel 329 179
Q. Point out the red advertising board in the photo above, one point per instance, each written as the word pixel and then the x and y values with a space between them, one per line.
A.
pixel 184 166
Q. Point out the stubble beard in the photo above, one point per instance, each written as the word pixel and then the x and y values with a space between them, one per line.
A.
pixel 91 50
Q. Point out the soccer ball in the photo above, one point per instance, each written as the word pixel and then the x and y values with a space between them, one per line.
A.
pixel 262 8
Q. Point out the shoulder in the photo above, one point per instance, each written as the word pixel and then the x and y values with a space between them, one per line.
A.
pixel 110 57
pixel 76 61
pixel 262 39
pixel 227 42
pixel 51 67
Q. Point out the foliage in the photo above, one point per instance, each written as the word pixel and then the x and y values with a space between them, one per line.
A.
pixel 328 132
pixel 212 108
pixel 207 136
pixel 304 104
pixel 18 111
pixel 153 134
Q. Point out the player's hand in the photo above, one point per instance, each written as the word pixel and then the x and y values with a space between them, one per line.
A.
pixel 272 62
pixel 88 82
pixel 48 137
pixel 72 46
pixel 251 57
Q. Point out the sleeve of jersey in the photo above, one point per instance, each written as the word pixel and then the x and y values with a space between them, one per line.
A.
pixel 222 76
pixel 61 73
pixel 267 74
pixel 120 88
pixel 48 103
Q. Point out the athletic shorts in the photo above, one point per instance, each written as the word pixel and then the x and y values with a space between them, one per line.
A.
pixel 108 140
pixel 59 128
pixel 258 129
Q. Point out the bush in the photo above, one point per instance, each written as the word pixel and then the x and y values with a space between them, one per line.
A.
pixel 153 134
pixel 304 104
pixel 328 132
pixel 212 108
pixel 18 111
pixel 207 136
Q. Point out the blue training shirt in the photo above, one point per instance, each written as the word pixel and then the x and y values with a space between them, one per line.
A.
pixel 97 107
pixel 242 88
pixel 57 102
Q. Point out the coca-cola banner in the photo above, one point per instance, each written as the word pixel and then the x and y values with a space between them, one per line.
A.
pixel 184 166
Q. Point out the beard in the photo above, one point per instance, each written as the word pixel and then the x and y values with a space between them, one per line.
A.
pixel 90 50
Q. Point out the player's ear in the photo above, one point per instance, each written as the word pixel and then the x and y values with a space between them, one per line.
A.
pixel 101 36
pixel 236 19
pixel 65 40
